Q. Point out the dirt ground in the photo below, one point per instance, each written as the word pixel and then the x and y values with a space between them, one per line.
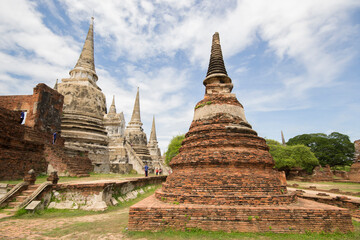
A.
pixel 101 226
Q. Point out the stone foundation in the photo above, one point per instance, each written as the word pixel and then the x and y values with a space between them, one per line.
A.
pixel 152 214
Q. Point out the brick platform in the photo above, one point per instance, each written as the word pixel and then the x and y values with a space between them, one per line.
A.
pixel 152 214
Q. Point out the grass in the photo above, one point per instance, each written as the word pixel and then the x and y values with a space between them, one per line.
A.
pixel 199 234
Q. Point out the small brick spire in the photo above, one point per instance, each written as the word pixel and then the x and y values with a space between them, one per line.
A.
pixel 216 63
pixel 112 109
pixel 56 85
pixel 283 138
pixel 153 132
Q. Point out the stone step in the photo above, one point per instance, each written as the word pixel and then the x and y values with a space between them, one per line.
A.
pixel 83 175
pixel 14 204
pixel 20 198
pixel 10 210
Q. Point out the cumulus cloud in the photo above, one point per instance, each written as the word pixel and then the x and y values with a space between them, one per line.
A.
pixel 314 38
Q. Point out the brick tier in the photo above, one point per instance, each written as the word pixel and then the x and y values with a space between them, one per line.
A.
pixel 152 214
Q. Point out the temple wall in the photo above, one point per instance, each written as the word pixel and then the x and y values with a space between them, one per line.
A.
pixel 43 108
pixel 17 155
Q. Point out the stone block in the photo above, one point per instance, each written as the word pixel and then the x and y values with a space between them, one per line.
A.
pixel 33 205
pixel 113 201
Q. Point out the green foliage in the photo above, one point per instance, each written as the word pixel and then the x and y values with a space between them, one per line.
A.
pixel 287 157
pixel 333 149
pixel 173 148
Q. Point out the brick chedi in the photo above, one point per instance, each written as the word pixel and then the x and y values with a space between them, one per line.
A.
pixel 115 127
pixel 155 153
pixel 135 135
pixel 84 109
pixel 223 177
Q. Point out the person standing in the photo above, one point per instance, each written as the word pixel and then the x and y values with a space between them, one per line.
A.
pixel 157 171
pixel 22 116
pixel 146 170
pixel 160 171
pixel 54 137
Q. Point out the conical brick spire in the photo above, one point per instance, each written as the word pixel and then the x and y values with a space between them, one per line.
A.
pixel 85 66
pixel 283 138
pixel 86 59
pixel 136 112
pixel 112 109
pixel 217 80
pixel 56 85
pixel 216 64
pixel 153 132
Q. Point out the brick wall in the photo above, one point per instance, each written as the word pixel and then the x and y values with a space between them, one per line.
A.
pixel 17 155
pixel 44 107
pixel 154 215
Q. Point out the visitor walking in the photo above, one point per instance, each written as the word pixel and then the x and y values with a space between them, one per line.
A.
pixel 54 137
pixel 146 170
pixel 160 171
pixel 157 171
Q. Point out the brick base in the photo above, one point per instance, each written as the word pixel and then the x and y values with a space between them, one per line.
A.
pixel 152 214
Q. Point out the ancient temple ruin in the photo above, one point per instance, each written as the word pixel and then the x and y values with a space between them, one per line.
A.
pixel 84 109
pixel 223 177
pixel 87 127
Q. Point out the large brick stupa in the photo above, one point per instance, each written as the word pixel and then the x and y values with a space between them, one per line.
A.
pixel 223 177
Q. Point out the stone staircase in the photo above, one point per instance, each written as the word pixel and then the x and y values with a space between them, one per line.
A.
pixel 19 199
pixel 79 166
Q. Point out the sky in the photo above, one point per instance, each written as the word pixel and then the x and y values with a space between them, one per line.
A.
pixel 295 65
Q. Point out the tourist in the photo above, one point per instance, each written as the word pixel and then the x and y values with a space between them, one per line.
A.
pixel 157 171
pixel 22 116
pixel 54 137
pixel 146 170
pixel 160 171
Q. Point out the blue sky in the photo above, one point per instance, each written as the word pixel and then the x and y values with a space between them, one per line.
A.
pixel 295 64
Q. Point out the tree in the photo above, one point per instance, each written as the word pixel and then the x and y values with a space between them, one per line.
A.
pixel 333 149
pixel 287 157
pixel 173 148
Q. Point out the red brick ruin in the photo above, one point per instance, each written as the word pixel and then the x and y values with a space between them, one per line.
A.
pixel 29 145
pixel 223 177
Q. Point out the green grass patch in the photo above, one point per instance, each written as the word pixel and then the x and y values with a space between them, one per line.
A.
pixel 200 234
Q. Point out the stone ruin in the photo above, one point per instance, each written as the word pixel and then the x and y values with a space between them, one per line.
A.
pixel 354 174
pixel 30 145
pixel 89 138
pixel 223 177
pixel 87 127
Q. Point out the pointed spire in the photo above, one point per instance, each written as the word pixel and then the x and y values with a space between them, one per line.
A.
pixel 153 132
pixel 56 85
pixel 282 138
pixel 136 112
pixel 216 63
pixel 112 109
pixel 86 59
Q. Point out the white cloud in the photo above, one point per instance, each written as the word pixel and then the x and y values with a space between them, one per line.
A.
pixel 311 34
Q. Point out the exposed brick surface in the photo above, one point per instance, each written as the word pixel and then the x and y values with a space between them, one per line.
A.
pixel 29 146
pixel 17 155
pixel 43 108
pixel 305 215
